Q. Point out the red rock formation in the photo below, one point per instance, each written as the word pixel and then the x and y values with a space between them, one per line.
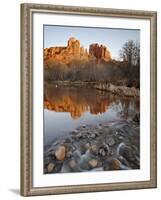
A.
pixel 100 52
pixel 73 50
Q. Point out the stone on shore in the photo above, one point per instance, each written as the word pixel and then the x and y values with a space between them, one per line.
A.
pixel 93 163
pixel 110 141
pixel 113 147
pixel 60 153
pixel 126 152
pixel 94 149
pixel 50 167
pixel 115 164
pixel 72 163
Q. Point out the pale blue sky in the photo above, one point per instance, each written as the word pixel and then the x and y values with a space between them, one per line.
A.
pixel 112 38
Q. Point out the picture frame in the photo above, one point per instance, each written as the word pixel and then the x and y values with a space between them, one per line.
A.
pixel 28 76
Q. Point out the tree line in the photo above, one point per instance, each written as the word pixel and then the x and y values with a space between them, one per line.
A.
pixel 81 70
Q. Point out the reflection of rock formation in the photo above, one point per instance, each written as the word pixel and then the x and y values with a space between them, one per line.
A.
pixel 69 100
pixel 66 105
pixel 77 101
pixel 73 50
pixel 76 110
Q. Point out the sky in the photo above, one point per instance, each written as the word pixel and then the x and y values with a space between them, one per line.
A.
pixel 112 38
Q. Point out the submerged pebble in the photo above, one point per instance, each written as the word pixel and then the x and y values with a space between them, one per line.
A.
pixel 95 148
pixel 60 153
pixel 50 167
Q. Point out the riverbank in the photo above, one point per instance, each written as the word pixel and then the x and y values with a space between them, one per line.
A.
pixel 121 90
pixel 103 147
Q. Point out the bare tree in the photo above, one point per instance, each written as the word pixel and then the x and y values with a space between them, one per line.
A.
pixel 130 52
pixel 137 54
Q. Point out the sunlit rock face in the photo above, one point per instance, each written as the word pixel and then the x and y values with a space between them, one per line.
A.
pixel 100 52
pixel 74 50
pixel 65 54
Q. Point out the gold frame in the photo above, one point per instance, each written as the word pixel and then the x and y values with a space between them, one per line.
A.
pixel 27 11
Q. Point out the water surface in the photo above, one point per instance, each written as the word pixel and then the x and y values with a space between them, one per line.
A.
pixel 66 108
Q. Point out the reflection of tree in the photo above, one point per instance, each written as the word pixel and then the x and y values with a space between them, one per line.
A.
pixel 126 108
pixel 77 101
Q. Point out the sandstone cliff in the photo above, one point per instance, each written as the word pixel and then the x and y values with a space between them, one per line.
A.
pixel 73 50
pixel 100 52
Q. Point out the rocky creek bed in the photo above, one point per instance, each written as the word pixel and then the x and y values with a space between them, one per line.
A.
pixel 107 146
